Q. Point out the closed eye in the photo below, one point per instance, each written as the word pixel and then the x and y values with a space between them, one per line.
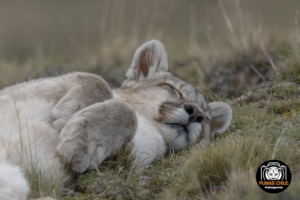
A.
pixel 173 90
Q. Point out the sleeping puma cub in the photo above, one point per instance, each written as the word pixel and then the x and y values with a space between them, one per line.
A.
pixel 65 125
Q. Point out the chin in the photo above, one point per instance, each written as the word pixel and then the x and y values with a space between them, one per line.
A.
pixel 194 130
pixel 180 137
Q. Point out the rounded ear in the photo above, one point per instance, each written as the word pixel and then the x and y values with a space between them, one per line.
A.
pixel 221 115
pixel 149 59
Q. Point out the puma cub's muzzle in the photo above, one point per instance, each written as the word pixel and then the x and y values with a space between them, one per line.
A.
pixel 185 124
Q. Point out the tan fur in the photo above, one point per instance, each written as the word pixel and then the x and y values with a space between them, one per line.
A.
pixel 76 121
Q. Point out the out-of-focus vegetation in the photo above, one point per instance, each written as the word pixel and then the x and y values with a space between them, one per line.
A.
pixel 40 39
pixel 243 52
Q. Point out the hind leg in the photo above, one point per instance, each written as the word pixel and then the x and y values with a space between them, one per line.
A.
pixel 95 133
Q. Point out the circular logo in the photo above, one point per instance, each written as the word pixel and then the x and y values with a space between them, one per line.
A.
pixel 273 176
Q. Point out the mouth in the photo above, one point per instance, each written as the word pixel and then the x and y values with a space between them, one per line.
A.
pixel 179 127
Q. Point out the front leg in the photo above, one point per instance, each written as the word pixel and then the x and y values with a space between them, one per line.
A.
pixel 87 89
pixel 95 133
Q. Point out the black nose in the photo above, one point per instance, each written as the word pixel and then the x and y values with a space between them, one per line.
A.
pixel 195 114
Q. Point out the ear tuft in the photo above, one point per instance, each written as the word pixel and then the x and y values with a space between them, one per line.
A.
pixel 149 59
pixel 221 115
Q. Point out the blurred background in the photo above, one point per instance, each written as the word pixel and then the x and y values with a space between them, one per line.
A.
pixel 47 38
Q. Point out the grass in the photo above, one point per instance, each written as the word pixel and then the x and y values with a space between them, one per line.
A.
pixel 256 136
pixel 42 184
pixel 257 72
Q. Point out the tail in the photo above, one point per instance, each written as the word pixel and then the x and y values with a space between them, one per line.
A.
pixel 13 184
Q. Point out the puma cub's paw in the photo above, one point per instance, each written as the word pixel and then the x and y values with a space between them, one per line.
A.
pixel 88 89
pixel 95 133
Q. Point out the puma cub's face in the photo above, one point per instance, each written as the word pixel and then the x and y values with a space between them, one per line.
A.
pixel 175 107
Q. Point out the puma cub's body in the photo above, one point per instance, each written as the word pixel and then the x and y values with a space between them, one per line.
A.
pixel 68 124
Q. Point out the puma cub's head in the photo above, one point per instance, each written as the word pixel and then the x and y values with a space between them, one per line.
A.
pixel 175 107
